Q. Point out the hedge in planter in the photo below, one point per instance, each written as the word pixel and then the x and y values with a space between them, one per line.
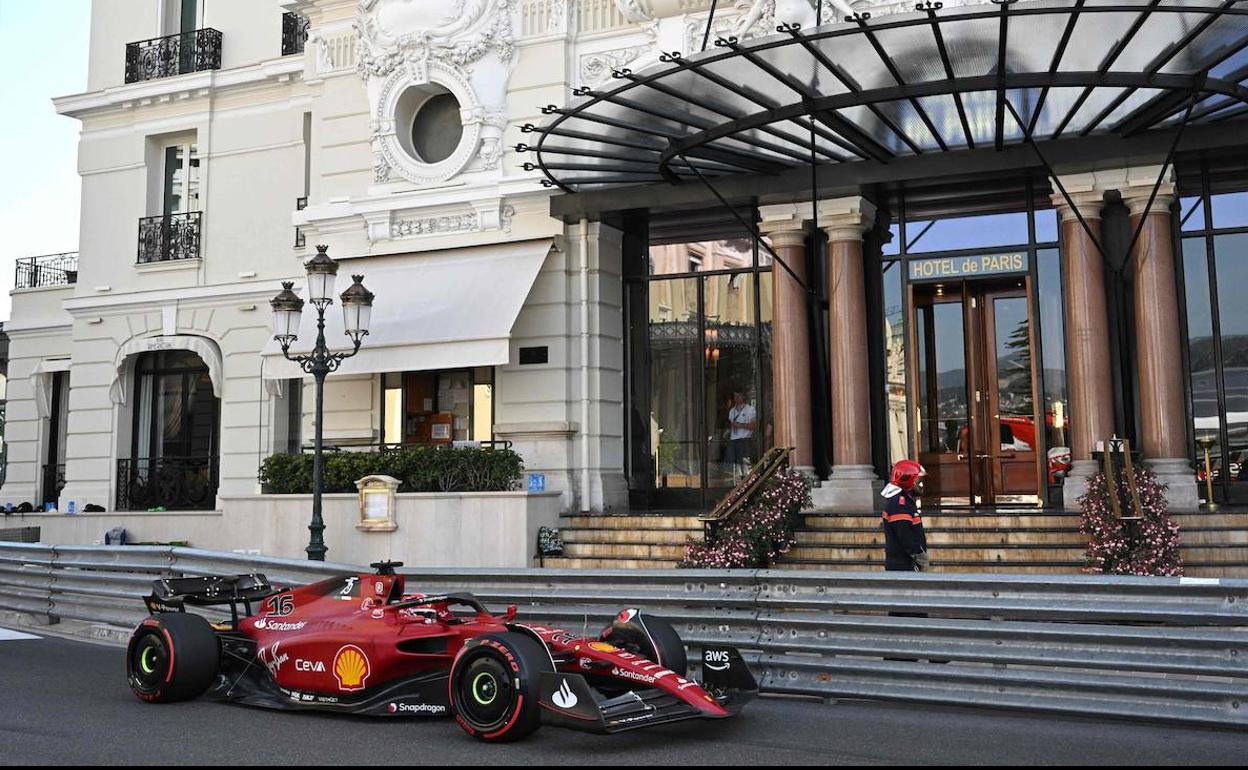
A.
pixel 420 469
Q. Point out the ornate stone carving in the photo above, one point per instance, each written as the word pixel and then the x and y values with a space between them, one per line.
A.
pixel 466 47
pixel 596 67
pixel 488 217
pixel 456 223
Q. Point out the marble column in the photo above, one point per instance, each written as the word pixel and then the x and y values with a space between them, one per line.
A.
pixel 852 484
pixel 1088 376
pixel 790 336
pixel 1158 347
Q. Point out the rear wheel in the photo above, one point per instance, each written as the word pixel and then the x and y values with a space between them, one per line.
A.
pixel 650 637
pixel 494 686
pixel 172 656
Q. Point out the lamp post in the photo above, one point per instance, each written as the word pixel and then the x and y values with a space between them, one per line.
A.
pixel 357 308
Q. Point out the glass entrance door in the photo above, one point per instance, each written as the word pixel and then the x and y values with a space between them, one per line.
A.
pixel 974 393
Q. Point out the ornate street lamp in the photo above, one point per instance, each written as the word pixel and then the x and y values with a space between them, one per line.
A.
pixel 357 308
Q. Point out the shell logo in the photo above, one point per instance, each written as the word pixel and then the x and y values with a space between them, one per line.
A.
pixel 351 668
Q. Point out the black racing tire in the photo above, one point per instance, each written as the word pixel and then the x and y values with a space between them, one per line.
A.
pixel 494 686
pixel 649 636
pixel 172 656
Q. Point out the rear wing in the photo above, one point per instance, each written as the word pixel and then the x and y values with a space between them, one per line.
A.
pixel 175 594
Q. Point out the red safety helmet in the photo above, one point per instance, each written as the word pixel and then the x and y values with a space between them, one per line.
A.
pixel 906 474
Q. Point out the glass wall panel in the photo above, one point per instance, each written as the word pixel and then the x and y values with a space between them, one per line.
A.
pixel 1202 357
pixel 1192 213
pixel 1229 209
pixel 1231 261
pixel 731 394
pixel 1046 226
pixel 971 232
pixel 1053 347
pixel 676 360
pixel 701 256
pixel 895 361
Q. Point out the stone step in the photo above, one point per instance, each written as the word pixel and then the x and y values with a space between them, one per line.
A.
pixel 947 553
pixel 662 536
pixel 558 562
pixel 944 520
pixel 935 537
pixel 629 521
pixel 623 551
pixel 1011 568
pixel 1232 555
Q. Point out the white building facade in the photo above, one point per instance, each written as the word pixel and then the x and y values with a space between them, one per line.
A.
pixel 216 151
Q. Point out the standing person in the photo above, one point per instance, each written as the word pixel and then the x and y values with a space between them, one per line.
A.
pixel 905 544
pixel 742 422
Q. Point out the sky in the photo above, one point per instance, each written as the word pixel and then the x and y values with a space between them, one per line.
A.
pixel 43 53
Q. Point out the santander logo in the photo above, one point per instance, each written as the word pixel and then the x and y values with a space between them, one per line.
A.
pixel 564 698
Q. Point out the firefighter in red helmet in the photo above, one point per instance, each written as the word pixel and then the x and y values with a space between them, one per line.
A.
pixel 905 544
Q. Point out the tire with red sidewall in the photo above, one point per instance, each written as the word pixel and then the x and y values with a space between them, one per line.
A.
pixel 650 637
pixel 172 656
pixel 494 686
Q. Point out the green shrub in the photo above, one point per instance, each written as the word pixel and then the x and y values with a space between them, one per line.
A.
pixel 420 469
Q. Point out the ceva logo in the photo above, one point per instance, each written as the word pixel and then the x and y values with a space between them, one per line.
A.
pixel 564 698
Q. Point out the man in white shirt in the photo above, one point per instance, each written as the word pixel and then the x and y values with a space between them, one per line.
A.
pixel 742 422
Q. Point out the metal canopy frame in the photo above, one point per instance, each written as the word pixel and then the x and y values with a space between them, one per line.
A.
pixel 773 104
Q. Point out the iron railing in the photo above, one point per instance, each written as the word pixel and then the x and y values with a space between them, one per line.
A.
pixel 47 270
pixel 172 483
pixel 366 446
pixel 301 239
pixel 294 33
pixel 53 482
pixel 1139 648
pixel 162 57
pixel 169 237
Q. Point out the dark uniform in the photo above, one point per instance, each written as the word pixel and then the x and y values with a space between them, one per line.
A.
pixel 903 532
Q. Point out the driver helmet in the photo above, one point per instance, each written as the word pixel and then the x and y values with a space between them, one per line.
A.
pixel 906 476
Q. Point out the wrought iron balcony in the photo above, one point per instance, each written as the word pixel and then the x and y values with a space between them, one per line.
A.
pixel 163 57
pixel 169 237
pixel 294 33
pixel 173 483
pixel 48 270
pixel 301 239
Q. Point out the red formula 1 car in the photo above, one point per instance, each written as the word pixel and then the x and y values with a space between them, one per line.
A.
pixel 359 644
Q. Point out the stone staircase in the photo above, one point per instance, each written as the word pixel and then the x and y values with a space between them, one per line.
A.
pixel 625 541
pixel 1018 541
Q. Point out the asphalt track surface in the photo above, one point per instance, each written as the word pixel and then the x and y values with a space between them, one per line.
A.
pixel 66 702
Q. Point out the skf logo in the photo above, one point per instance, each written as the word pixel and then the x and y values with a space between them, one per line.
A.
pixel 716 660
pixel 351 668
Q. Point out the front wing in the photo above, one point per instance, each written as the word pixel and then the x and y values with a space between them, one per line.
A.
pixel 568 700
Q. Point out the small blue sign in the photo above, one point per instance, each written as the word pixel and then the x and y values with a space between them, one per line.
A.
pixel 537 482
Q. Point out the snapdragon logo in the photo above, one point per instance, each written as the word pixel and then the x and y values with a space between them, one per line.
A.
pixel 436 709
pixel 564 698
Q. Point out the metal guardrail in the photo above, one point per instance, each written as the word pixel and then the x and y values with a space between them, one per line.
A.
pixel 1151 648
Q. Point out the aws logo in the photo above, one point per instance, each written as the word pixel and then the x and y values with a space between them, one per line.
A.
pixel 351 668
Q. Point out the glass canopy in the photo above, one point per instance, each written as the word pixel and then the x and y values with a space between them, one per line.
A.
pixel 926 82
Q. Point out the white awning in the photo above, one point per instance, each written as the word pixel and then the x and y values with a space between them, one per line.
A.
pixel 434 310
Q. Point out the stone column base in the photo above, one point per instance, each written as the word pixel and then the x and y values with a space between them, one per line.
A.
pixel 850 488
pixel 1077 482
pixel 1183 494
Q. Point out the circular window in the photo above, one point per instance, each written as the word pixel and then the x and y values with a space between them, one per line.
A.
pixel 437 128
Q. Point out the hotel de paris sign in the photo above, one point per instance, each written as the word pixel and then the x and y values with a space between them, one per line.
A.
pixel 979 265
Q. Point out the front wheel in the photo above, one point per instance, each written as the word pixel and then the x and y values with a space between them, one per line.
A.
pixel 651 637
pixel 494 683
pixel 172 656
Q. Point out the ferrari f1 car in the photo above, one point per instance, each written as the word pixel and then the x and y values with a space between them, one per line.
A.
pixel 360 644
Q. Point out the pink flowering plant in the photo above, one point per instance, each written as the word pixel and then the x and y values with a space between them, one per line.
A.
pixel 758 533
pixel 1148 546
